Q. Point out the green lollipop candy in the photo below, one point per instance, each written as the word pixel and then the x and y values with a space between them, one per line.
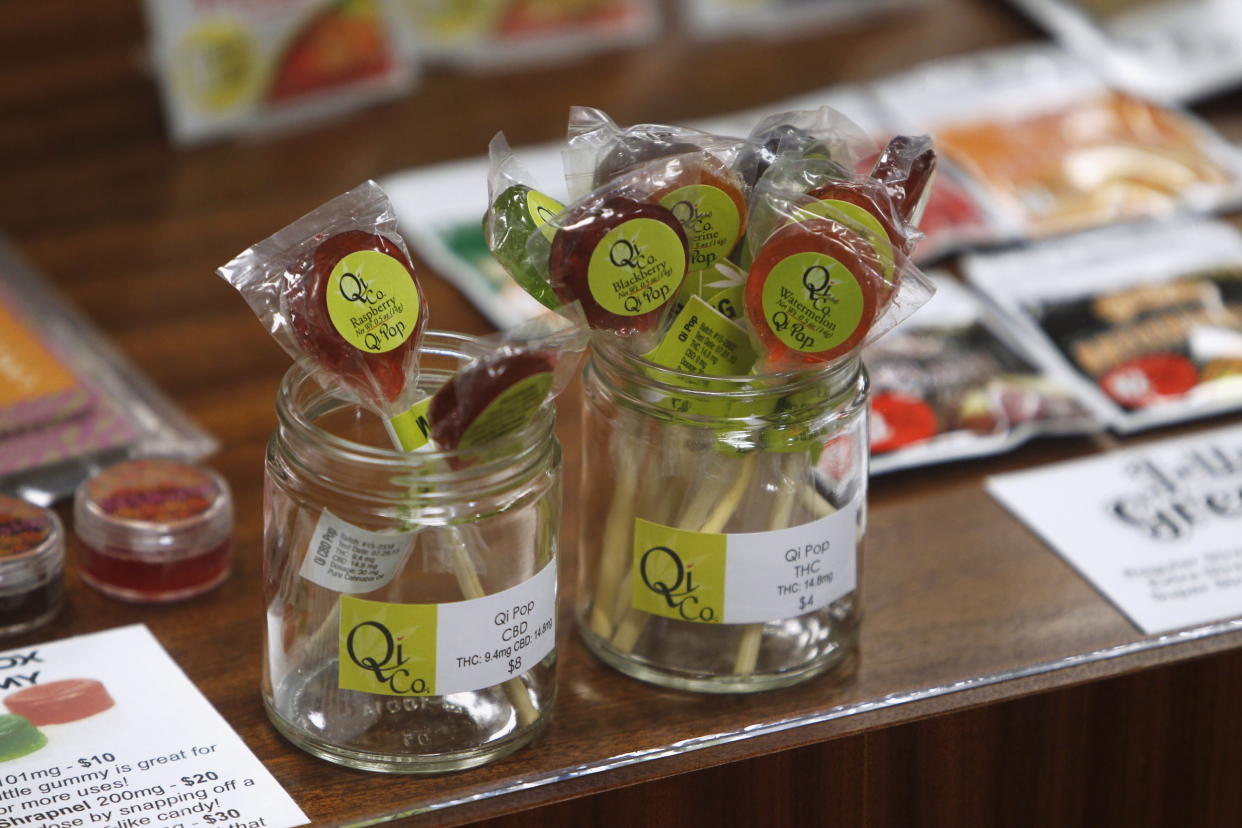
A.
pixel 515 215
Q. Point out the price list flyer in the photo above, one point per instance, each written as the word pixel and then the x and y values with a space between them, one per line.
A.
pixel 105 730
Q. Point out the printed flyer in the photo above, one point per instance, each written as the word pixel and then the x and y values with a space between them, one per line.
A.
pixel 1155 528
pixel 104 730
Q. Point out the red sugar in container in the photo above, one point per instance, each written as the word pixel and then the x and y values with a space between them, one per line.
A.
pixel 153 530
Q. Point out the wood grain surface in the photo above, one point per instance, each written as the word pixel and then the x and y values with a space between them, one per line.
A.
pixel 957 710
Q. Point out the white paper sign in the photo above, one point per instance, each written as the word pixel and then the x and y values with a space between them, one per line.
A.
pixel 104 730
pixel 1157 529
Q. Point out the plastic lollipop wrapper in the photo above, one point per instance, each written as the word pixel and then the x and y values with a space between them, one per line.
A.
pixel 704 191
pixel 832 270
pixel 823 134
pixel 497 395
pixel 793 153
pixel 337 290
pixel 619 252
pixel 517 209
pixel 599 150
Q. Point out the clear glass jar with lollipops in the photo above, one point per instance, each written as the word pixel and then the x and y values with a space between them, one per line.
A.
pixel 723 490
pixel 412 499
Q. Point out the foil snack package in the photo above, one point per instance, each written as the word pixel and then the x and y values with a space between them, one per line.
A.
pixel 1055 149
pixel 951 383
pixel 1143 322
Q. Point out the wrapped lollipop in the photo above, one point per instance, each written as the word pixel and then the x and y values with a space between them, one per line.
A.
pixel 336 289
pixel 498 393
pixel 822 133
pixel 834 270
pixel 517 210
pixel 618 253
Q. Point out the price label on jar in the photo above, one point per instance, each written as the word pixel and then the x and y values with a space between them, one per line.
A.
pixel 747 577
pixel 437 649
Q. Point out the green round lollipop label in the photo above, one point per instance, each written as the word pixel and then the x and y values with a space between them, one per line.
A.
pixel 372 301
pixel 637 267
pixel 812 302
pixel 859 219
pixel 710 219
pixel 542 208
pixel 510 411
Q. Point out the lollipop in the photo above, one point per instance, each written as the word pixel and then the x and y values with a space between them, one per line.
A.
pixel 905 168
pixel 624 260
pixel 494 396
pixel 770 142
pixel 812 292
pixel 355 308
pixel 709 201
pixel 636 146
pixel 514 216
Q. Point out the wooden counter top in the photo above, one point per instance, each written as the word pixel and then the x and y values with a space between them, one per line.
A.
pixel 963 607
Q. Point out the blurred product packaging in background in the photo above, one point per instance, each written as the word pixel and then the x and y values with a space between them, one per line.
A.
pixel 501 33
pixel 241 65
pixel 229 67
pixel 1173 50
pixel 69 401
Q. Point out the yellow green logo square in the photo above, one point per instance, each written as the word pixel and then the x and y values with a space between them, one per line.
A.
pixel 387 648
pixel 678 573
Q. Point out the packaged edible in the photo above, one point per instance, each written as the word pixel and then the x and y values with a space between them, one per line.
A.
pixel 1056 149
pixel 951 383
pixel 831 264
pixel 235 66
pixel 1144 323
pixel 337 290
pixel 502 33
pixel 69 400
pixel 721 18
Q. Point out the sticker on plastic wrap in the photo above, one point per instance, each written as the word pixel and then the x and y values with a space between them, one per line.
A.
pixel 636 267
pixel 748 577
pixel 353 560
pixel 438 649
pixel 372 301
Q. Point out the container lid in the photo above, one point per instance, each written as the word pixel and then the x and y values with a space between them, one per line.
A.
pixel 153 505
pixel 28 536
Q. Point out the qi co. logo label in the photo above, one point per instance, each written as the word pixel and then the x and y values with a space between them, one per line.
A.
pixel 679 574
pixel 387 648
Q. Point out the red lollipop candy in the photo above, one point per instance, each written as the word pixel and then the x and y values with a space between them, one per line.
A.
pixel 494 396
pixel 356 309
pixel 860 206
pixel 905 168
pixel 623 259
pixel 812 293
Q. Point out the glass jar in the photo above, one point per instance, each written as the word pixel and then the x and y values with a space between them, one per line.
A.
pixel 722 522
pixel 411 597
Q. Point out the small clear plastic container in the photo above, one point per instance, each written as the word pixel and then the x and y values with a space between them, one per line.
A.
pixel 32 566
pixel 154 530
